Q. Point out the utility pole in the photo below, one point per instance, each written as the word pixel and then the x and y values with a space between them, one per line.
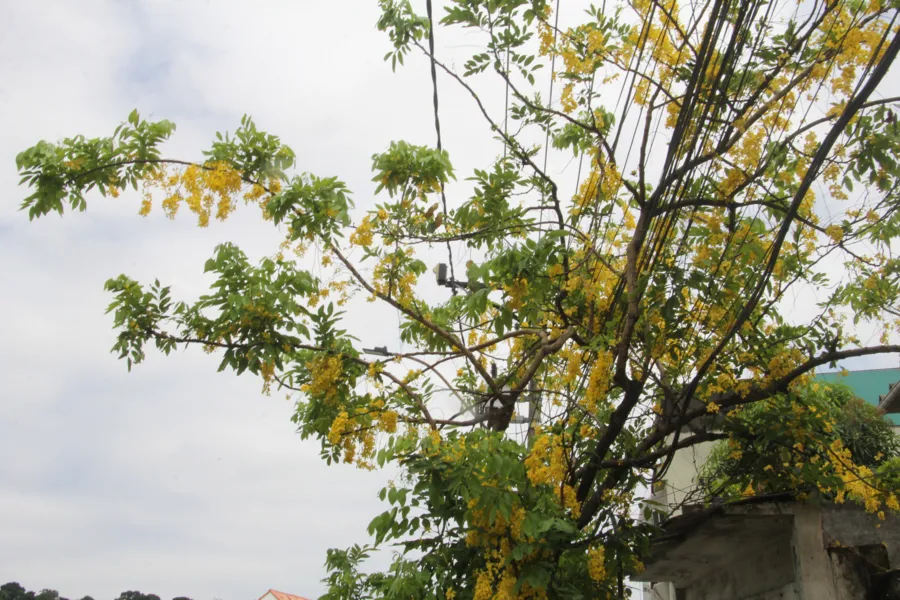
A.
pixel 534 412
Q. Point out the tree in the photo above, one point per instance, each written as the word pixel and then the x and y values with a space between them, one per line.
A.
pixel 767 452
pixel 47 594
pixel 14 591
pixel 134 595
pixel 731 154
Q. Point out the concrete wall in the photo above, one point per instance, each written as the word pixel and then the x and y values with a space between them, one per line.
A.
pixel 780 551
pixel 666 591
pixel 681 478
pixel 769 576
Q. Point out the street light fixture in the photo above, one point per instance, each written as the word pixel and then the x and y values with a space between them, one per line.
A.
pixel 378 350
pixel 441 274
pixel 495 405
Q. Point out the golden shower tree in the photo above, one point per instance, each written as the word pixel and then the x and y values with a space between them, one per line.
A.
pixel 733 152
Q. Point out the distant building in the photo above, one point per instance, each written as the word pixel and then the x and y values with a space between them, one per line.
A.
pixel 276 595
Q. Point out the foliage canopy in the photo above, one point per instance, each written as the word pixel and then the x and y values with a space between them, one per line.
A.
pixel 832 443
pixel 732 154
pixel 15 591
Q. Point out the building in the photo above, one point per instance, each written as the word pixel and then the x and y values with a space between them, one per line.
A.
pixel 879 387
pixel 875 386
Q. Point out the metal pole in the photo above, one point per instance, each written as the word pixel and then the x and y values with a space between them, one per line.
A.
pixel 534 411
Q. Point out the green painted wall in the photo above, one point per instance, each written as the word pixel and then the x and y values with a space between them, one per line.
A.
pixel 868 385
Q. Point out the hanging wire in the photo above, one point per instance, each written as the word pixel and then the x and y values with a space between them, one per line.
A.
pixel 790 110
pixel 437 128
pixel 552 78
pixel 550 102
pixel 506 107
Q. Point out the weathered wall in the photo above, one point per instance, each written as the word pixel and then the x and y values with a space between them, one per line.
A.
pixel 783 551
pixel 847 525
pixel 681 478
pixel 762 570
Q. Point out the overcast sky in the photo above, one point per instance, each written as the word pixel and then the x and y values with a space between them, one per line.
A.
pixel 174 479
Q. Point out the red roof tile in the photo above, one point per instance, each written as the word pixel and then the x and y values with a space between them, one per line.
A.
pixel 282 596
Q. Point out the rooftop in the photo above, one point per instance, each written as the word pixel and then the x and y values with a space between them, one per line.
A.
pixel 282 595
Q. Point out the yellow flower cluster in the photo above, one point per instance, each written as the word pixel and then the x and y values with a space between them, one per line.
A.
pixel 835 232
pixel 604 180
pixel 388 279
pixel 545 34
pixel 858 482
pixel 517 291
pixel 497 579
pixel 582 51
pixel 720 382
pixel 599 381
pixel 338 427
pixel 854 40
pixel 267 372
pixel 782 363
pixel 567 99
pixel 355 434
pixel 374 369
pixel 343 288
pixel 833 175
pixel 385 419
pixel 363 234
pixel 208 190
pixel 547 464
pixel 325 371
pixel 663 41
pixel 343 433
pixel 574 359
pixel 388 420
pixel 596 563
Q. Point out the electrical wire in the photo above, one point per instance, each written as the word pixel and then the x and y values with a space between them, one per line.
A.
pixel 437 127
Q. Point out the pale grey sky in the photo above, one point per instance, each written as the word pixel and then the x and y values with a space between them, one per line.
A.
pixel 174 479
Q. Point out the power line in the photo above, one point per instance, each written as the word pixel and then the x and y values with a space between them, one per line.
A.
pixel 549 100
pixel 437 125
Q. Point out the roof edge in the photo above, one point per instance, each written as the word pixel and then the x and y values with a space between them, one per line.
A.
pixel 890 403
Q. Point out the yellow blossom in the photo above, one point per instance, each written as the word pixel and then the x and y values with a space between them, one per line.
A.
pixel 596 564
